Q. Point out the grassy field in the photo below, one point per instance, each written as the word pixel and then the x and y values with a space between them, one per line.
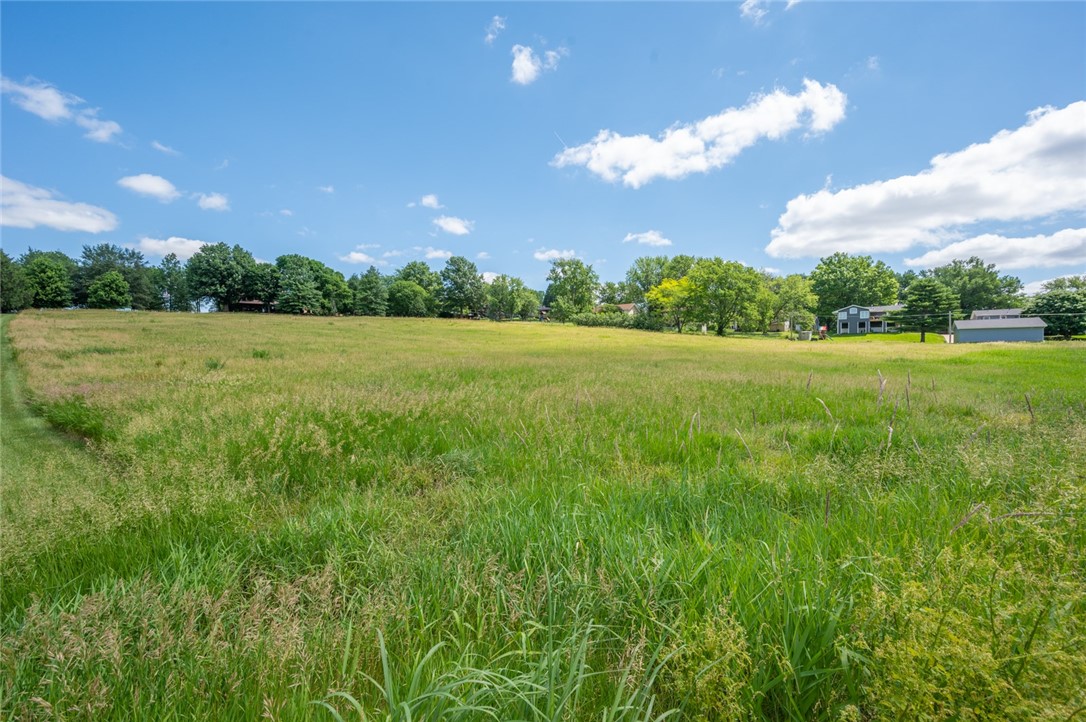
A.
pixel 252 517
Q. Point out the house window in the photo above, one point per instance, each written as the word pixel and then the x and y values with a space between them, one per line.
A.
pixel 853 310
pixel 843 316
pixel 865 314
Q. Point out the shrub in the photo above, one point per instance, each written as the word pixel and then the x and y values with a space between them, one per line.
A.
pixel 640 321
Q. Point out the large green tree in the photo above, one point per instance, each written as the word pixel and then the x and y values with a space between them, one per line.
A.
pixel 507 296
pixel 15 293
pixel 262 283
pixel 927 305
pixel 1064 311
pixel 428 280
pixel 796 302
pixel 678 266
pixel 615 293
pixel 674 300
pixel 462 288
pixel 722 291
pixel 407 298
pixel 644 273
pixel 335 294
pixel 978 285
pixel 298 290
pixel 1066 283
pixel 110 290
pixel 573 287
pixel 370 293
pixel 48 281
pixel 840 280
pixel 219 272
pixel 97 260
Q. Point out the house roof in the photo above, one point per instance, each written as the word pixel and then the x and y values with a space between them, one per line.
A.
pixel 1027 322
pixel 996 312
pixel 875 309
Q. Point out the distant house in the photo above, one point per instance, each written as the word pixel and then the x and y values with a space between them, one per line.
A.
pixel 254 306
pixel 988 330
pixel 630 309
pixel 992 313
pixel 856 319
pixel 544 313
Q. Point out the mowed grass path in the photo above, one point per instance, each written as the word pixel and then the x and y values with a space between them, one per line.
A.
pixel 298 518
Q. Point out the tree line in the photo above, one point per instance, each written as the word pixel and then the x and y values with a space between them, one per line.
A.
pixel 677 292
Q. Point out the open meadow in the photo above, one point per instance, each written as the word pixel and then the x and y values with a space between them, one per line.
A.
pixel 295 518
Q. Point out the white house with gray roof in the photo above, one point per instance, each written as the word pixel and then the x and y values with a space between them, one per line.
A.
pixel 988 330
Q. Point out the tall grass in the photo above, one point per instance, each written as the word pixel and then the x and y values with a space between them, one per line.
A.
pixel 400 519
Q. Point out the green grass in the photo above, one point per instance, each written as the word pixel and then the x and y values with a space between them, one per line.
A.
pixel 427 519
pixel 883 338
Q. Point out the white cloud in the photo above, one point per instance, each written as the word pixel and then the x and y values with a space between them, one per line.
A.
pixel 213 202
pixel 26 206
pixel 100 131
pixel 50 103
pixel 497 24
pixel 482 256
pixel 150 185
pixel 552 254
pixel 433 253
pixel 224 165
pixel 1063 248
pixel 648 238
pixel 872 63
pixel 286 212
pixel 754 10
pixel 489 276
pixel 366 246
pixel 40 98
pixel 527 66
pixel 162 148
pixel 358 257
pixel 1035 171
pixel 306 232
pixel 1035 287
pixel 454 225
pixel 791 4
pixel 391 254
pixel 183 248
pixel 324 189
pixel 709 143
pixel 430 201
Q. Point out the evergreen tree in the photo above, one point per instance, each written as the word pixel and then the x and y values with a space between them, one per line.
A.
pixel 370 293
pixel 927 304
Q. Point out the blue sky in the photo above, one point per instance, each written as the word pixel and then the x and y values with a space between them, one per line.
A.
pixel 769 133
